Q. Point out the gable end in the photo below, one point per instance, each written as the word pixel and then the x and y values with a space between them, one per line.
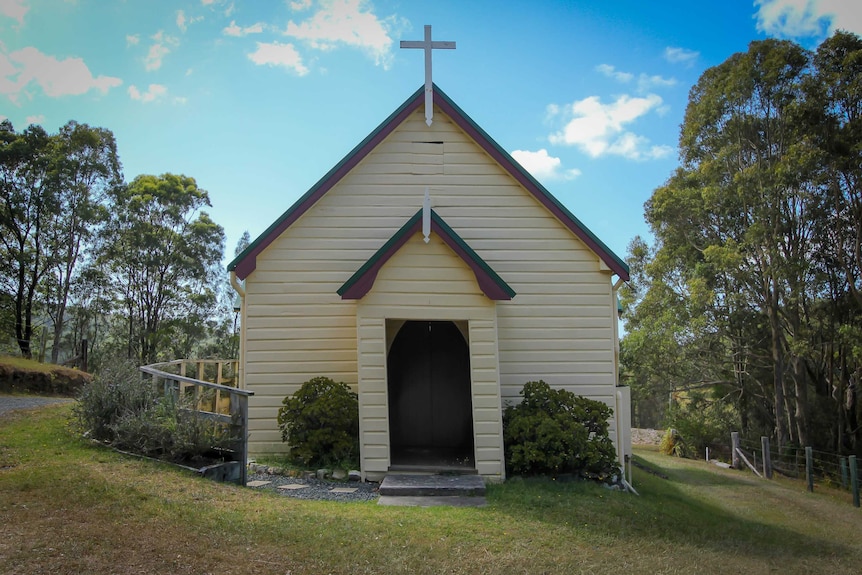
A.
pixel 361 282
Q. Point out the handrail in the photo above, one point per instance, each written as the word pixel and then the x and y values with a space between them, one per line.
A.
pixel 238 418
pixel 152 370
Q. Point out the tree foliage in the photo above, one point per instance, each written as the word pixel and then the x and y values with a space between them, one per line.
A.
pixel 749 297
pixel 163 253
pixel 127 268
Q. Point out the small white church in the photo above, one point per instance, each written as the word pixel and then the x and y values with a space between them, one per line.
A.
pixel 434 275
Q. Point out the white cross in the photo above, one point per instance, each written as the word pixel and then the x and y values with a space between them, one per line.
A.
pixel 428 45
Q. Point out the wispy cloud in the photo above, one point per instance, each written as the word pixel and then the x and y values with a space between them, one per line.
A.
pixel 278 54
pixel 543 166
pixel 161 47
pixel 37 119
pixel 183 21
pixel 612 72
pixel 645 82
pixel 15 9
pixel 133 39
pixel 349 23
pixel 676 55
pixel 600 129
pixel 154 92
pixel 234 30
pixel 807 18
pixel 56 78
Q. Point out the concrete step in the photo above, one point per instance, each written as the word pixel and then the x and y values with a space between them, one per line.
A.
pixel 400 485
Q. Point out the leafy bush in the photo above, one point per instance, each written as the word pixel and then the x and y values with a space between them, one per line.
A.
pixel 672 443
pixel 702 420
pixel 320 422
pixel 554 431
pixel 121 409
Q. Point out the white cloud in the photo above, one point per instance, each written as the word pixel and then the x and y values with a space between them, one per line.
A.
pixel 345 22
pixel 543 166
pixel 599 129
pixel 676 55
pixel 37 119
pixel 69 77
pixel 15 9
pixel 611 72
pixel 183 21
pixel 133 39
pixel 804 18
pixel 154 92
pixel 647 83
pixel 234 30
pixel 278 54
pixel 300 5
pixel 207 2
pixel 158 50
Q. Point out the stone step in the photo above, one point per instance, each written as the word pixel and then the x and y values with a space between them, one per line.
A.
pixel 400 485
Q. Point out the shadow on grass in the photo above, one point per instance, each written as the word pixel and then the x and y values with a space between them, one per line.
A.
pixel 668 510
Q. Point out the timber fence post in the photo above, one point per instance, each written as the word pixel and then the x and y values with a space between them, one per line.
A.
pixel 767 457
pixel 854 480
pixel 843 466
pixel 809 467
pixel 734 449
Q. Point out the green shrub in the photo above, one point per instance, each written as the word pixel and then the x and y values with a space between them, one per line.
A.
pixel 554 432
pixel 702 420
pixel 128 413
pixel 320 422
pixel 672 443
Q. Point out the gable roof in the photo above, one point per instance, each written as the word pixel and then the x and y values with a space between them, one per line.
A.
pixel 361 282
pixel 246 261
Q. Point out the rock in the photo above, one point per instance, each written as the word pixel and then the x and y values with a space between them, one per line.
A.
pixel 323 473
pixel 354 475
pixel 309 474
pixel 339 474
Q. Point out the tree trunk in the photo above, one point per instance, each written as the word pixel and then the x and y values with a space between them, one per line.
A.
pixel 781 426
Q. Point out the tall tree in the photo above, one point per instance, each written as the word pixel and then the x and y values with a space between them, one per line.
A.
pixel 163 253
pixel 86 166
pixel 27 204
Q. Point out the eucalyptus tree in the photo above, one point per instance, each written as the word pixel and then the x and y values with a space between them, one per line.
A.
pixel 28 202
pixel 163 255
pixel 86 166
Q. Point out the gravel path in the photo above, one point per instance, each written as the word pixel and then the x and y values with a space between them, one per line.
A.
pixel 316 489
pixel 13 402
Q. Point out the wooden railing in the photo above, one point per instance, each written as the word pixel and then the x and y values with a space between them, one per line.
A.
pixel 226 405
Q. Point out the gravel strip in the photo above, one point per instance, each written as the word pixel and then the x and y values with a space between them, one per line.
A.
pixel 317 489
pixel 14 402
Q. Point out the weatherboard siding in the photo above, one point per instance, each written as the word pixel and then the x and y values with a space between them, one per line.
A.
pixel 558 327
pixel 402 292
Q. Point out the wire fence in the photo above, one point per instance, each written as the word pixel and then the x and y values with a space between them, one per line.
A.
pixel 814 466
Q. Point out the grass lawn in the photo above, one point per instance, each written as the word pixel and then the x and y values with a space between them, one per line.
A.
pixel 67 507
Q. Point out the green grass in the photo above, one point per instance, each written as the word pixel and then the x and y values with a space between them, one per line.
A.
pixel 70 507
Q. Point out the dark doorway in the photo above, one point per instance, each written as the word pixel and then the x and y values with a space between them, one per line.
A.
pixel 430 406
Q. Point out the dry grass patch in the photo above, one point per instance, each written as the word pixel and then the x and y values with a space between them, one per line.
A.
pixel 20 375
pixel 67 507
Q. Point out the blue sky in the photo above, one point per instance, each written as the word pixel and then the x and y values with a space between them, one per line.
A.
pixel 258 99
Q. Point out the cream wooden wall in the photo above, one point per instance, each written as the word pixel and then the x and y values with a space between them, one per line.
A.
pixel 558 328
pixel 405 290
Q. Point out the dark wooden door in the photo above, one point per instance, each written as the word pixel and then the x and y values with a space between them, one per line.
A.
pixel 430 407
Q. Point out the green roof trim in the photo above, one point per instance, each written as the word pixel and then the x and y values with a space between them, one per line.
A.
pixel 361 282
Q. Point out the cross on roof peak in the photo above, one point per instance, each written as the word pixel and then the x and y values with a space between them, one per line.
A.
pixel 428 45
